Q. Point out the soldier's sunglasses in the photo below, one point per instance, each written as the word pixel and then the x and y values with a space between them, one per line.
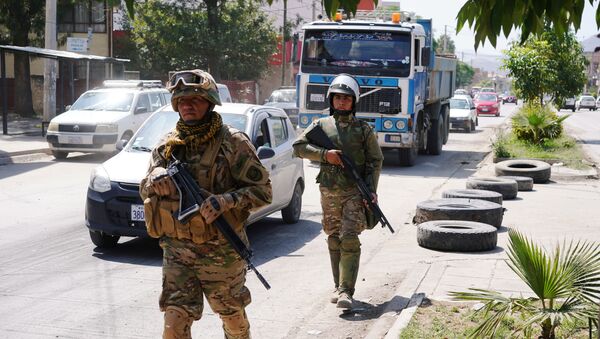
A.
pixel 188 79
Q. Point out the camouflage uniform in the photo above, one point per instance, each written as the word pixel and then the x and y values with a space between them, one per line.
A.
pixel 197 260
pixel 343 210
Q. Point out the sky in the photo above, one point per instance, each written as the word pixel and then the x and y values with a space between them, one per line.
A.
pixel 443 12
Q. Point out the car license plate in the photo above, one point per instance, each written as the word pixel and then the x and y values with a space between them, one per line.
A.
pixel 395 138
pixel 484 109
pixel 137 212
pixel 75 140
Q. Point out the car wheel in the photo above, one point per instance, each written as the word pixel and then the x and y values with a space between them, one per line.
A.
pixel 291 213
pixel 468 127
pixel 60 155
pixel 104 240
pixel 457 235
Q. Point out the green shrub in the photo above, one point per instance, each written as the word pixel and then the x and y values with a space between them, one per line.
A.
pixel 535 123
pixel 500 145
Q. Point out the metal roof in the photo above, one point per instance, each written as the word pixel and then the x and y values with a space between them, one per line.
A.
pixel 55 54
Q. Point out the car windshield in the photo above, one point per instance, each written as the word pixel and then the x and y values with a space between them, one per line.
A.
pixel 459 104
pixel 283 96
pixel 164 121
pixel 486 97
pixel 104 101
pixel 357 52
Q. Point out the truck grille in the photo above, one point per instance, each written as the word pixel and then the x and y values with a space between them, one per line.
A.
pixel 385 100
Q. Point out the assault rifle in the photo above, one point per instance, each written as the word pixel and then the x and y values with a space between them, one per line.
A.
pixel 317 136
pixel 191 197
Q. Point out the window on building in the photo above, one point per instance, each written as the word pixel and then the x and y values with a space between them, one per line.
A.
pixel 77 17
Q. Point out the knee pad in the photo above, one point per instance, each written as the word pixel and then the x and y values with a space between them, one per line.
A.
pixel 333 243
pixel 178 323
pixel 350 243
pixel 236 325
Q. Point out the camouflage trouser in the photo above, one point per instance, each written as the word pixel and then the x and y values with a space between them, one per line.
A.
pixel 343 220
pixel 213 270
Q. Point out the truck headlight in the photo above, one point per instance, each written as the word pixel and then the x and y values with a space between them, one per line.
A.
pixel 53 127
pixel 388 124
pixel 304 120
pixel 99 180
pixel 107 128
pixel 400 124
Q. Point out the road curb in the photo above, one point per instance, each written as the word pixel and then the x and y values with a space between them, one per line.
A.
pixel 400 309
pixel 24 157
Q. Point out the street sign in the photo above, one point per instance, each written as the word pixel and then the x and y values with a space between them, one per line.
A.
pixel 78 45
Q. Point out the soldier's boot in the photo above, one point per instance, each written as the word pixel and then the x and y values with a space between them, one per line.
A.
pixel 178 323
pixel 236 325
pixel 333 243
pixel 349 262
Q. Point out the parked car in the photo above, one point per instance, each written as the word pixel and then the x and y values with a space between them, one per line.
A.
pixel 509 99
pixel 461 91
pixel 114 207
pixel 463 113
pixel 586 101
pixel 224 93
pixel 286 99
pixel 102 117
pixel 598 102
pixel 474 91
pixel 487 103
pixel 487 90
pixel 569 103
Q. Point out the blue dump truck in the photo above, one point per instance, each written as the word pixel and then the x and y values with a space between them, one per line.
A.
pixel 405 87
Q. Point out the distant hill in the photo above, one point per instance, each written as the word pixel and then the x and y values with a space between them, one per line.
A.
pixel 486 62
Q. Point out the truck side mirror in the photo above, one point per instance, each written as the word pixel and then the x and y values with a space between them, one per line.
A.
pixel 425 56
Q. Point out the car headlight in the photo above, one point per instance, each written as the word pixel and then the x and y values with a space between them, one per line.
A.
pixel 495 105
pixel 99 180
pixel 400 124
pixel 53 127
pixel 304 120
pixel 107 128
pixel 388 124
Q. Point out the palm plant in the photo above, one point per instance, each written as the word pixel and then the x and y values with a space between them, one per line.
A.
pixel 537 123
pixel 566 285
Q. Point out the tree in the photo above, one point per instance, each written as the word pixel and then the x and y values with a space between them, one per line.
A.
pixel 490 18
pixel 171 36
pixel 438 45
pixel 565 285
pixel 529 66
pixel 23 19
pixel 464 74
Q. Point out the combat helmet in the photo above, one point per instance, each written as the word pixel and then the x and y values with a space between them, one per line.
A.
pixel 191 83
pixel 344 84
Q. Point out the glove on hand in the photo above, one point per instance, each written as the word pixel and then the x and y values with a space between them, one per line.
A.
pixel 215 205
pixel 162 184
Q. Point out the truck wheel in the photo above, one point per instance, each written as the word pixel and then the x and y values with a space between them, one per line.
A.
pixel 408 156
pixel 483 211
pixel 446 116
pixel 435 137
pixel 103 240
pixel 457 235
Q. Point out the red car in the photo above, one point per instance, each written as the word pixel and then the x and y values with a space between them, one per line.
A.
pixel 487 103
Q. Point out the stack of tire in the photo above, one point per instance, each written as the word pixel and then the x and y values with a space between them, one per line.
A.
pixel 467 220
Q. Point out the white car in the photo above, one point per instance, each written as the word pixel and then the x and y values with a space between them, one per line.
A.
pixel 102 117
pixel 586 101
pixel 463 114
pixel 114 207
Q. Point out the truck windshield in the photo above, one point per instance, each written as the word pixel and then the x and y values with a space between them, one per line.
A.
pixel 357 52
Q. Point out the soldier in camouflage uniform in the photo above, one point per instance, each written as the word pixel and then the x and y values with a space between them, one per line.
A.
pixel 197 260
pixel 343 208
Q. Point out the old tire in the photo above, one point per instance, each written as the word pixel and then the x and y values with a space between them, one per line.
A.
pixel 523 183
pixel 291 213
pixel 103 240
pixel 459 209
pixel 507 187
pixel 474 194
pixel 538 170
pixel 457 236
pixel 435 137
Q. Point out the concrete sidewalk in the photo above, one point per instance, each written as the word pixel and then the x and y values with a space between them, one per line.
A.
pixel 24 141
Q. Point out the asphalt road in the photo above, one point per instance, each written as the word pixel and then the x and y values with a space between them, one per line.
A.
pixel 55 284
pixel 585 126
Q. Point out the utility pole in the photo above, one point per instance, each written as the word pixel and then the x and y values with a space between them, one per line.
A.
pixel 313 10
pixel 283 45
pixel 50 64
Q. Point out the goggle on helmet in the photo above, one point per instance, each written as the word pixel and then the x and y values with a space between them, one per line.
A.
pixel 193 83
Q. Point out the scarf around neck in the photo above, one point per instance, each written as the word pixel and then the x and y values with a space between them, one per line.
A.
pixel 192 137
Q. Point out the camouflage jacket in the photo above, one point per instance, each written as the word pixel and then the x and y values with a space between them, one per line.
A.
pixel 356 139
pixel 236 170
